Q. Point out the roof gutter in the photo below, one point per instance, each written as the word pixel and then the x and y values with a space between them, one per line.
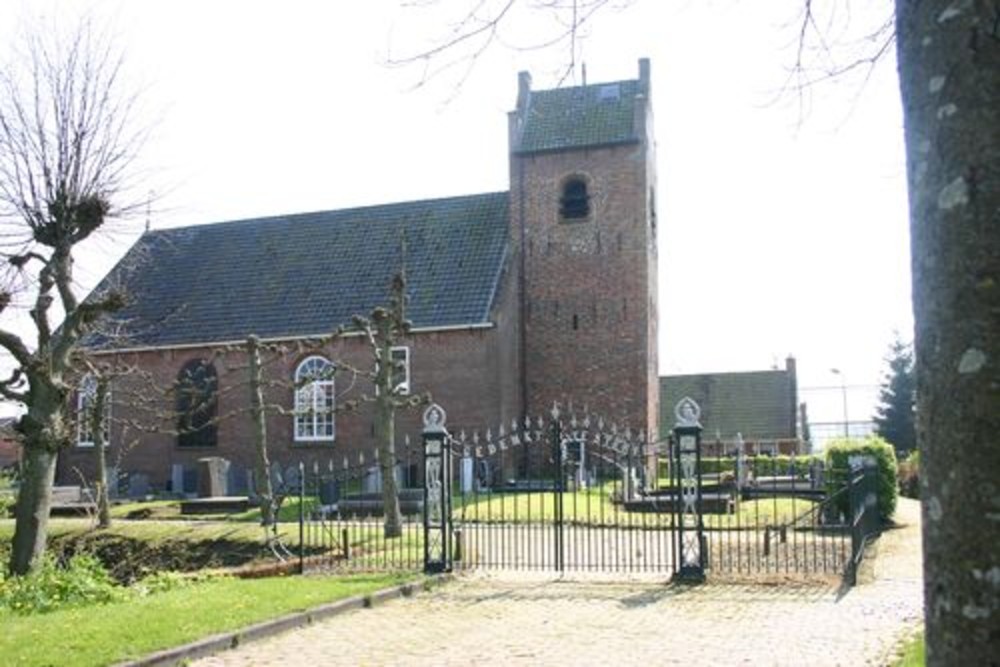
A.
pixel 478 326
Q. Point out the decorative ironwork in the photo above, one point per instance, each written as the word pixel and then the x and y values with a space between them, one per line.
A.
pixel 690 529
pixel 437 492
pixel 574 491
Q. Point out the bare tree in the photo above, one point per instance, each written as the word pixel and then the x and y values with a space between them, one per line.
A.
pixel 486 24
pixel 66 148
pixel 385 328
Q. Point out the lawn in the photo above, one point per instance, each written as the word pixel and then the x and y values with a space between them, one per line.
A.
pixel 594 506
pixel 913 653
pixel 120 631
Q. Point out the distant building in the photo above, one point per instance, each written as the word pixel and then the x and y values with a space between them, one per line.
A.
pixel 761 407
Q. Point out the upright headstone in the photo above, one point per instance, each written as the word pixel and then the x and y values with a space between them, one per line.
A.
pixel 213 475
pixel 138 485
pixel 372 481
pixel 467 474
pixel 111 481
pixel 177 478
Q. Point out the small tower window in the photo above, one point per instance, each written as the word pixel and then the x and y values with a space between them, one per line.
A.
pixel 574 204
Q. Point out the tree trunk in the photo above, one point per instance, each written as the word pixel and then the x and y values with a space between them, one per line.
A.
pixel 34 498
pixel 97 424
pixel 949 67
pixel 385 437
pixel 262 476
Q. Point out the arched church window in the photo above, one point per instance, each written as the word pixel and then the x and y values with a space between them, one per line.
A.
pixel 197 403
pixel 314 400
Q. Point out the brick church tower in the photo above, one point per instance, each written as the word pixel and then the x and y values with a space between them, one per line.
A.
pixel 583 229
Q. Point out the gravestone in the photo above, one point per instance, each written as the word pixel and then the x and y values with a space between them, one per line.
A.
pixel 177 478
pixel 111 482
pixel 213 474
pixel 236 481
pixel 138 485
pixel 467 475
pixel 329 491
pixel 372 481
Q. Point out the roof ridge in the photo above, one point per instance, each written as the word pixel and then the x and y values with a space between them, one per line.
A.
pixel 351 209
pixel 584 86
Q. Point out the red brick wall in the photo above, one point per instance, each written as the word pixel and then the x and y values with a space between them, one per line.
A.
pixel 471 373
pixel 599 272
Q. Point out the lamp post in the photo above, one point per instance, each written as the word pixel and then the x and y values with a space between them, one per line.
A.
pixel 843 394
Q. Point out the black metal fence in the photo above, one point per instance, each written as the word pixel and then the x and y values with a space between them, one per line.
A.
pixel 583 496
pixel 342 521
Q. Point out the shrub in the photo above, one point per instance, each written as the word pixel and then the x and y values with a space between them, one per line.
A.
pixel 83 581
pixel 909 475
pixel 838 457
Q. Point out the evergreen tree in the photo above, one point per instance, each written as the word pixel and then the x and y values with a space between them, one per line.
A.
pixel 895 415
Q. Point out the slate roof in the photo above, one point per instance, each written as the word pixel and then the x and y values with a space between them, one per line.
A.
pixel 305 274
pixel 757 404
pixel 593 115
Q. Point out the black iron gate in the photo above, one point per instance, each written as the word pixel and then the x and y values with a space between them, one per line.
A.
pixel 562 493
pixel 573 492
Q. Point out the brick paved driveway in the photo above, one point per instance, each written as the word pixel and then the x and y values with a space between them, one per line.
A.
pixel 503 619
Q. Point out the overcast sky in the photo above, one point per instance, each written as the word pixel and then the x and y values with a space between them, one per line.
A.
pixel 782 232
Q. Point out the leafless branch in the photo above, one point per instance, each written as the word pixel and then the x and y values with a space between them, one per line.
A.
pixel 489 24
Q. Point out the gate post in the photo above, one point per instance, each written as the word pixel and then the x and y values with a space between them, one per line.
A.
pixel 690 529
pixel 437 492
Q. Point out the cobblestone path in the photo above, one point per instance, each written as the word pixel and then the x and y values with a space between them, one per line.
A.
pixel 531 620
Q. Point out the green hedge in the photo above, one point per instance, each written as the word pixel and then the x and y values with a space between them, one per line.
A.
pixel 760 465
pixel 839 453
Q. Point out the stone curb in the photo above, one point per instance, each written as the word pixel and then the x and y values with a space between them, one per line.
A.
pixel 228 640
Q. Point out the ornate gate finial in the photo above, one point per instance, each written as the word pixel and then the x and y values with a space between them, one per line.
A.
pixel 687 412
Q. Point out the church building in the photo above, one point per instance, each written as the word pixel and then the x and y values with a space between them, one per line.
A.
pixel 544 293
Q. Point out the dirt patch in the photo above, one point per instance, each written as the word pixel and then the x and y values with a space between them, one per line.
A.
pixel 129 559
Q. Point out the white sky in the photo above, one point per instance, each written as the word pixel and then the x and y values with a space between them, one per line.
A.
pixel 777 237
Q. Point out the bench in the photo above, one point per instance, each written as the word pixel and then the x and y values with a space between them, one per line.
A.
pixel 72 501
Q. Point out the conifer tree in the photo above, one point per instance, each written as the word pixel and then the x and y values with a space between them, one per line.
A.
pixel 895 415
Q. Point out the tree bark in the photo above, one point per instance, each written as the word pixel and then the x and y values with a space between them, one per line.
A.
pixel 34 499
pixel 97 424
pixel 262 476
pixel 385 436
pixel 949 67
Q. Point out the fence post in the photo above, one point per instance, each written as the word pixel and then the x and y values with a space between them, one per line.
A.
pixel 691 546
pixel 302 517
pixel 437 492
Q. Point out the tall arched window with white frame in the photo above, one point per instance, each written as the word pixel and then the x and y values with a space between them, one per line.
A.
pixel 314 400
pixel 86 395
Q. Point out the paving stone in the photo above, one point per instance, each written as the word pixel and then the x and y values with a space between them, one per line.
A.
pixel 538 619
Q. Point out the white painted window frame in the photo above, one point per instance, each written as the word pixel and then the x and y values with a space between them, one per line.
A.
pixel 402 388
pixel 321 396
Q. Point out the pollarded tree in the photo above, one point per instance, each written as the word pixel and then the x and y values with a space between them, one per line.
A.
pixel 385 328
pixel 895 413
pixel 66 148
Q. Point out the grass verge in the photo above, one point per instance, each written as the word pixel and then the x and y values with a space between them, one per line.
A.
pixel 912 653
pixel 105 634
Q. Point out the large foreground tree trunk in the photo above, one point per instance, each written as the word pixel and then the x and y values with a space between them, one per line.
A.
pixel 949 66
pixel 34 499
